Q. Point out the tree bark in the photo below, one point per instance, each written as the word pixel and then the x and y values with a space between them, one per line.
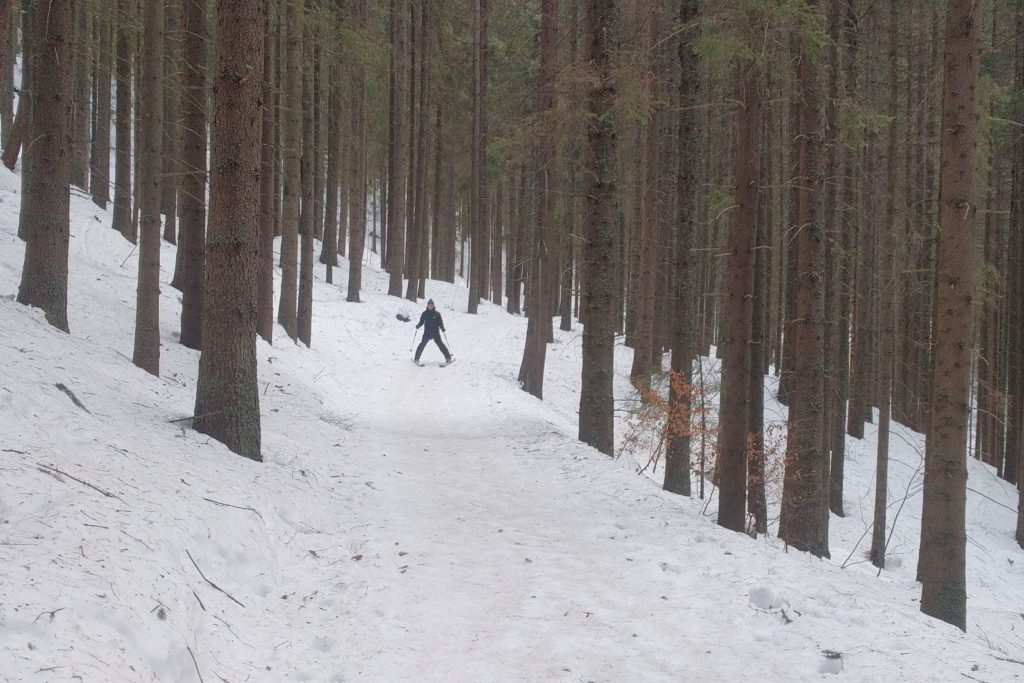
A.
pixel 307 213
pixel 99 159
pixel 803 523
pixel 397 142
pixel 122 219
pixel 290 204
pixel 45 205
pixel 190 267
pixel 734 346
pixel 942 558
pixel 227 395
pixel 268 215
pixel 358 180
pixel 147 302
pixel 677 461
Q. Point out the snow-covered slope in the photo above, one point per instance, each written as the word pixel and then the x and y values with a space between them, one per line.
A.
pixel 409 523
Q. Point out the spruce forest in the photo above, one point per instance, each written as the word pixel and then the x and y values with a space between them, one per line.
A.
pixel 737 293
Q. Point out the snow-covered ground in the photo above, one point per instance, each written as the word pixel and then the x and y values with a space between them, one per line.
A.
pixel 411 523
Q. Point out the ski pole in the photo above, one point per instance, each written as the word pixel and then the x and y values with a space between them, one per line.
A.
pixel 414 333
pixel 447 343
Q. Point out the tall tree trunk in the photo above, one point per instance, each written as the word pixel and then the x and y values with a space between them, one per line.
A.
pixel 227 395
pixel 942 558
pixel 1015 288
pixel 45 205
pixel 330 248
pixel 418 237
pixel 683 333
pixel 12 145
pixel 99 159
pixel 290 203
pixel 307 213
pixel 191 266
pixel 478 213
pixel 172 128
pixel 397 142
pixel 538 329
pixel 122 219
pixel 597 424
pixel 496 244
pixel 8 43
pixel 358 181
pixel 803 523
pixel 268 216
pixel 887 305
pixel 734 346
pixel 81 69
pixel 647 271
pixel 147 302
pixel 847 219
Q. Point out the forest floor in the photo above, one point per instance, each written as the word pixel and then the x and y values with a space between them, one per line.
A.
pixel 412 523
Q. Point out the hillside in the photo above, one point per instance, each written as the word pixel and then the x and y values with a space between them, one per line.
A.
pixel 413 523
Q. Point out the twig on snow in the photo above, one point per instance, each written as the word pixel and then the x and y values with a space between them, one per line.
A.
pixel 198 672
pixel 233 598
pixel 237 507
pixel 199 601
pixel 1011 661
pixel 70 394
pixel 52 613
pixel 53 472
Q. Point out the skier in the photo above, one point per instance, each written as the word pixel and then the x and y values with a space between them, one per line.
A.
pixel 432 325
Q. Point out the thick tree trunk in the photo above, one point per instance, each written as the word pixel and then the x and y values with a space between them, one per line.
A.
pixel 803 523
pixel 734 346
pixel 45 205
pixel 683 333
pixel 147 302
pixel 190 267
pixel 597 424
pixel 227 395
pixel 942 559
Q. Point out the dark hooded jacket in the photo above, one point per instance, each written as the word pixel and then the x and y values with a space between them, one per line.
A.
pixel 431 322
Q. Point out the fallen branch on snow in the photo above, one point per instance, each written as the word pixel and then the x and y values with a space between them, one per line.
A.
pixel 57 473
pixel 237 507
pixel 198 673
pixel 233 598
pixel 70 394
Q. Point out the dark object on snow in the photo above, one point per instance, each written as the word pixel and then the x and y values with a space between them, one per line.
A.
pixel 403 317
pixel 433 325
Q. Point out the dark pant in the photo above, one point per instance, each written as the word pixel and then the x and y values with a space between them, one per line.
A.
pixel 437 339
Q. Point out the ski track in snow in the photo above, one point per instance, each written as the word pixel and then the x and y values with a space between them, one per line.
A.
pixel 411 523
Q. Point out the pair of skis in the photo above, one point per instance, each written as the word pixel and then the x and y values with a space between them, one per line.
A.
pixel 444 364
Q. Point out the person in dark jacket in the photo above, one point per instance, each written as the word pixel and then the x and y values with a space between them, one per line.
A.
pixel 432 325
